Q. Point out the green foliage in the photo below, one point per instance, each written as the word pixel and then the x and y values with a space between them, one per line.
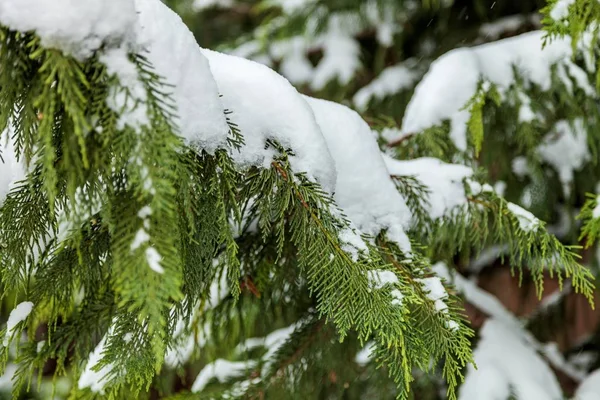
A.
pixel 116 215
pixel 130 228
pixel 591 222
pixel 475 108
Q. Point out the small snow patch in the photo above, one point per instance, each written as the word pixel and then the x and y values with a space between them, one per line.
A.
pixel 18 314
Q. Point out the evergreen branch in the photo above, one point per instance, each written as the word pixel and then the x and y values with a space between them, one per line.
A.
pixel 591 221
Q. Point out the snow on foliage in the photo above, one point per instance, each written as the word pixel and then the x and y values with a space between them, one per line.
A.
pixel 493 30
pixel 6 378
pixel 507 356
pixel 222 370
pixel 11 170
pixel 527 221
pixel 589 388
pixel 438 98
pixel 382 278
pixel 76 27
pixel 17 315
pixel 341 52
pixel 289 6
pixel 176 56
pixel 505 364
pixel 435 291
pixel 560 9
pixel 566 151
pixel 93 379
pixel 266 106
pixel 390 81
pixel 200 5
pixel 131 105
pixel 445 182
pixel 295 65
pixel 187 341
pixel 363 188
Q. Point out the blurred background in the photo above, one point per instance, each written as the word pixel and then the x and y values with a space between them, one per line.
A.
pixel 370 55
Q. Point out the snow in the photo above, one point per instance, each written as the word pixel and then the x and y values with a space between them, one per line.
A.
pixel 444 181
pixel 352 243
pixel 486 302
pixel 494 30
pixel 554 355
pixel 568 70
pixel 289 6
pixel 186 341
pixel 438 98
pixel 385 21
pixel 175 55
pixel 390 81
pixel 520 167
pixel 272 341
pixel 487 257
pixel 392 134
pixel 266 106
pixel 295 65
pixel 500 188
pixel 381 278
pixel 566 150
pixel 200 5
pixel 6 379
pixel 129 104
pixel 141 237
pixel 596 211
pixel 526 113
pixel 436 291
pixel 95 380
pixel 222 370
pixel 80 27
pixel 341 53
pixel 76 27
pixel 17 315
pixel 184 345
pixel 589 388
pixel 504 361
pixel 12 170
pixel 527 221
pixel 364 189
pixel 363 357
pixel 561 9
pixel 153 259
pixel 144 212
pixel 506 355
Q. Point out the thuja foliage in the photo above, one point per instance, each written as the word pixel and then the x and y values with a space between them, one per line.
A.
pixel 581 23
pixel 121 234
pixel 70 242
pixel 512 126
